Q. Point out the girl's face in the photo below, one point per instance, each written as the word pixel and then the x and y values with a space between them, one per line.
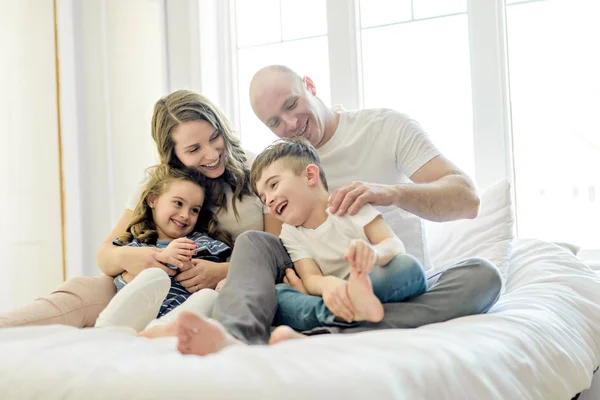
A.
pixel 176 210
pixel 199 145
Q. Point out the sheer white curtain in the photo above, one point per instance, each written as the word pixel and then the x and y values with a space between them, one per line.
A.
pixel 30 236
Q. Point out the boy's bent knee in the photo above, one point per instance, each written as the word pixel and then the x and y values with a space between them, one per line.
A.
pixel 255 238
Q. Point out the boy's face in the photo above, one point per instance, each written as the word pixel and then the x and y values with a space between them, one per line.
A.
pixel 287 195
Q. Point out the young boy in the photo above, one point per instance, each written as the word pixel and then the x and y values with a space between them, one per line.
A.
pixel 349 265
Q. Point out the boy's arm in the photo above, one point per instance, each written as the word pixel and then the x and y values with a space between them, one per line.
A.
pixel 385 242
pixel 332 289
pixel 312 276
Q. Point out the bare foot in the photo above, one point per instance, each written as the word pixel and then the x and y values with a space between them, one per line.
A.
pixel 283 333
pixel 367 306
pixel 196 335
pixel 169 329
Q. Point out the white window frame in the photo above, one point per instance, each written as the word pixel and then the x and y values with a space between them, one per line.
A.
pixel 492 128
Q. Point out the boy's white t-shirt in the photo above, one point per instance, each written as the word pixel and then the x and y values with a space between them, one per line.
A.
pixel 380 146
pixel 328 243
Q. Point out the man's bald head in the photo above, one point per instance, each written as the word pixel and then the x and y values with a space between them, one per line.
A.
pixel 287 104
pixel 273 76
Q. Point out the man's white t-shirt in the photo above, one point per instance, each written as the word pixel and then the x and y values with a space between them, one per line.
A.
pixel 380 146
pixel 328 243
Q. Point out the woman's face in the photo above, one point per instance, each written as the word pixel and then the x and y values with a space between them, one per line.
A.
pixel 199 145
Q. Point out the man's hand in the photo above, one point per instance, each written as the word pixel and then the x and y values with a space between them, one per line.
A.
pixel 351 197
pixel 361 255
pixel 200 274
pixel 335 296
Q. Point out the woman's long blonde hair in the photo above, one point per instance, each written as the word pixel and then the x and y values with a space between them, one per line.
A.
pixel 142 226
pixel 186 106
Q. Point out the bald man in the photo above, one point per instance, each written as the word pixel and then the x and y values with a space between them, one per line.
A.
pixel 376 156
pixel 381 157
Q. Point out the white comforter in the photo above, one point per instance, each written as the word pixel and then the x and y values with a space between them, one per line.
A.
pixel 540 341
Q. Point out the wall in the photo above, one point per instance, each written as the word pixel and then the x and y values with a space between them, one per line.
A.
pixel 118 57
pixel 30 241
pixel 112 69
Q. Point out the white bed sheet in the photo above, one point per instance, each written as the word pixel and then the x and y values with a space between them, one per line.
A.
pixel 540 341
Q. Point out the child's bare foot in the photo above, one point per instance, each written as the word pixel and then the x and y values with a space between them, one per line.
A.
pixel 196 335
pixel 367 306
pixel 283 333
pixel 169 329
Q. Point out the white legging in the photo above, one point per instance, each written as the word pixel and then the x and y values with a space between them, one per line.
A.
pixel 138 303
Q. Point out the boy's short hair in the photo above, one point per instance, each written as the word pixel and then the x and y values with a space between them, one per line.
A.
pixel 297 154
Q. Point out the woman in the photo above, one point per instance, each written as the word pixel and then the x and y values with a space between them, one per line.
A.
pixel 189 130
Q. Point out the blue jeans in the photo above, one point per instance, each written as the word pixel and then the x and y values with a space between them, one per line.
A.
pixel 399 280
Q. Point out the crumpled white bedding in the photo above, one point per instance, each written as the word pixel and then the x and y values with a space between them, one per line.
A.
pixel 540 341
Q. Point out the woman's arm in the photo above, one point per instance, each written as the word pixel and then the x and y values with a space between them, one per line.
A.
pixel 113 260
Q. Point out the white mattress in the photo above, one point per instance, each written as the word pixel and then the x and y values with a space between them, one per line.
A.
pixel 540 341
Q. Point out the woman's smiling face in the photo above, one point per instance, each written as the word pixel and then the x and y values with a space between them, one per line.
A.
pixel 199 145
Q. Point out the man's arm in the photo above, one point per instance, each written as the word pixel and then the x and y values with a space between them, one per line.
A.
pixel 439 192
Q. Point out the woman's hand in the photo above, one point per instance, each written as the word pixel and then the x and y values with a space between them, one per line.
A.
pixel 201 274
pixel 148 257
pixel 335 296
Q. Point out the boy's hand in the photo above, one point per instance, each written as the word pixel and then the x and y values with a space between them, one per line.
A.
pixel 335 296
pixel 182 249
pixel 361 255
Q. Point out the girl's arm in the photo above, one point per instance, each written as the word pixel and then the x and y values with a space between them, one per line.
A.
pixel 113 260
pixel 385 242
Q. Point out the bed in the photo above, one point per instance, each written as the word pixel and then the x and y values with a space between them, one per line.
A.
pixel 541 340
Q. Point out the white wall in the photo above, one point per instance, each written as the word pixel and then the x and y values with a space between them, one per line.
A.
pixel 119 70
pixel 113 68
pixel 30 241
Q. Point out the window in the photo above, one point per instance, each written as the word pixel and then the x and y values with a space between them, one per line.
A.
pixel 555 95
pixel 418 64
pixel 424 58
pixel 281 36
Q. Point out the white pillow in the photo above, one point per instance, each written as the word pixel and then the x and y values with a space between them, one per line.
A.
pixel 488 236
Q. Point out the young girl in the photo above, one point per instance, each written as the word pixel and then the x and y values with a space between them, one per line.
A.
pixel 172 215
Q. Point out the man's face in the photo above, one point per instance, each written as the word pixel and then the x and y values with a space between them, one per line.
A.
pixel 288 108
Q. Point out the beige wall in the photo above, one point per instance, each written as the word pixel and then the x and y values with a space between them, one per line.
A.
pixel 112 69
pixel 120 57
pixel 30 241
